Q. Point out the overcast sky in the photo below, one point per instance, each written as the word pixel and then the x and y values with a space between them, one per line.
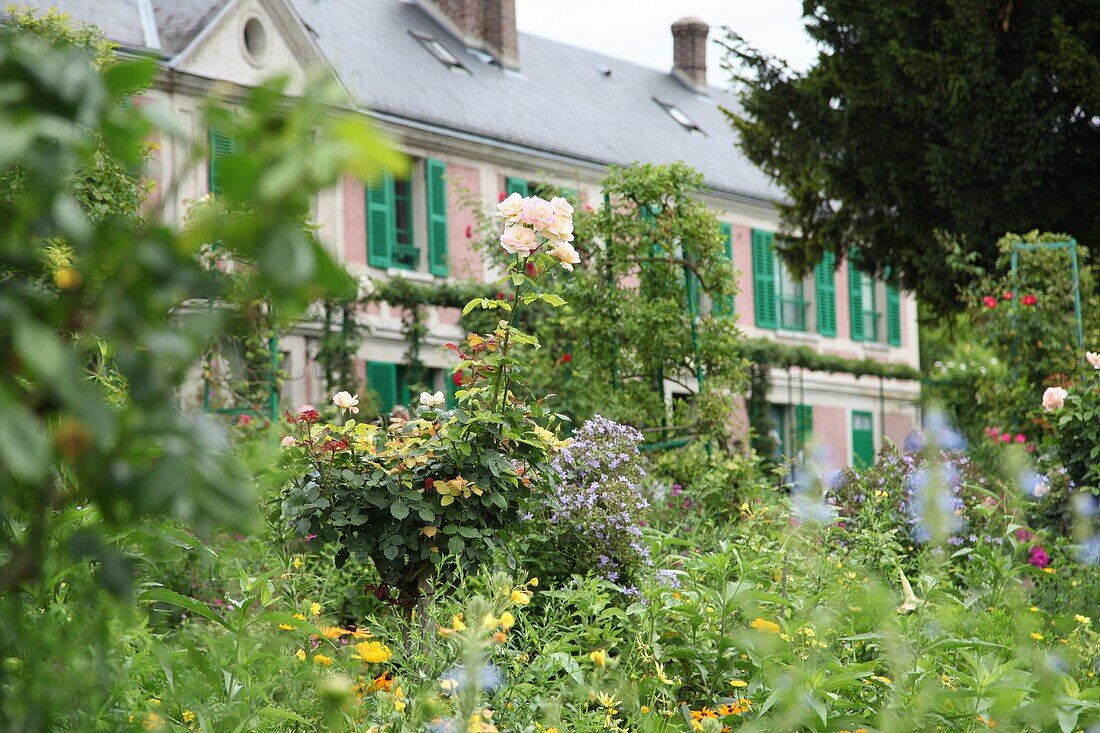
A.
pixel 638 30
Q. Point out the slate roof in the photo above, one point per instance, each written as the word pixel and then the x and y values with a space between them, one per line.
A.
pixel 119 19
pixel 560 102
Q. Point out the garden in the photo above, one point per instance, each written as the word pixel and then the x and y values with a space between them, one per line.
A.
pixel 547 548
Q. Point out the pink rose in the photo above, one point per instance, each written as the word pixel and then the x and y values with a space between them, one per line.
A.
pixel 288 441
pixel 519 239
pixel 1006 438
pixel 561 228
pixel 537 213
pixel 510 208
pixel 561 207
pixel 1093 358
pixel 565 254
pixel 990 301
pixel 1021 438
pixel 1054 398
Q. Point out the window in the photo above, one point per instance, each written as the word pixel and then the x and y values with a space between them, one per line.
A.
pixel 525 188
pixel 393 237
pixel 825 294
pixel 396 384
pixel 680 116
pixel 723 306
pixel 867 299
pixel 254 38
pixel 437 49
pixel 778 297
pixel 222 148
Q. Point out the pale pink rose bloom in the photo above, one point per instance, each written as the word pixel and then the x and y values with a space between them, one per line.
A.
pixel 537 213
pixel 565 253
pixel 306 408
pixel 346 401
pixel 1054 398
pixel 519 239
pixel 510 208
pixel 562 228
pixel 288 441
pixel 1093 358
pixel 562 207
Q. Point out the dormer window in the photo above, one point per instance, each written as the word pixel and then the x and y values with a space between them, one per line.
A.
pixel 680 116
pixel 437 49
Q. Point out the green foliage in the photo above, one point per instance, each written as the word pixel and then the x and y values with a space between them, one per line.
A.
pixel 895 140
pixel 1074 440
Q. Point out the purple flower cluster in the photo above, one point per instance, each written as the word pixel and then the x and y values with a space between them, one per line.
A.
pixel 598 500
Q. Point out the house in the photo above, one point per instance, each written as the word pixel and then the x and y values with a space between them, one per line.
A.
pixel 483 110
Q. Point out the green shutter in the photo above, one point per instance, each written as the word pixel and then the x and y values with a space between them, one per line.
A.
pixel 436 188
pixel 222 146
pixel 571 195
pixel 382 380
pixel 763 278
pixel 380 223
pixel 516 185
pixel 863 439
pixel 804 421
pixel 723 306
pixel 855 300
pixel 893 316
pixel 825 279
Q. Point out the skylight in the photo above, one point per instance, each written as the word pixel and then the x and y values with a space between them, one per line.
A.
pixel 680 116
pixel 437 49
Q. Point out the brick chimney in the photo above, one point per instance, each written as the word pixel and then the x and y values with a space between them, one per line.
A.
pixel 488 25
pixel 689 52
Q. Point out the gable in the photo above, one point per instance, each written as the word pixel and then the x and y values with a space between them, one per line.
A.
pixel 249 41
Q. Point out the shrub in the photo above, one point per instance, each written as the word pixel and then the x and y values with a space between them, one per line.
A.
pixel 694 483
pixel 592 519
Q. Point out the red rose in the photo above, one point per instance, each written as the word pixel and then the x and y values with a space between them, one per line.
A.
pixel 1029 300
pixel 469 230
pixel 990 301
pixel 531 271
pixel 429 483
pixel 457 378
pixel 1006 295
pixel 502 196
pixel 309 415
pixel 244 420
pixel 566 358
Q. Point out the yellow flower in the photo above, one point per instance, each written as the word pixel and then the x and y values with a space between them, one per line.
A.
pixel 507 620
pixel 606 700
pixel 300 617
pixel 533 582
pixel 1036 636
pixel 297 562
pixel 644 709
pixel 398 699
pixel 1083 620
pixel 763 625
pixel 738 683
pixel 664 678
pixel 153 721
pixel 372 652
pixel 598 657
pixel 1048 570
pixel 301 654
pixel 456 623
pixel 489 621
pixel 189 718
pixel 286 627
pixel 883 680
pixel 358 633
pixel 1034 609
pixel 315 609
pixel 322 659
pixel 332 632
pixel 521 597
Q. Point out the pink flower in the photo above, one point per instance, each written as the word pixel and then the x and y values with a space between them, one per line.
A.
pixel 288 441
pixel 1038 557
pixel 243 420
pixel 990 301
pixel 510 208
pixel 993 432
pixel 1029 300
pixel 1006 438
pixel 537 213
pixel 519 239
pixel 564 253
pixel 1006 295
pixel 1024 535
pixel 1054 398
pixel 346 401
pixel 1093 358
pixel 1021 438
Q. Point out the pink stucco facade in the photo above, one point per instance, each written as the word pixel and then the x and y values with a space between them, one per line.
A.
pixel 897 427
pixel 355 221
pixel 831 433
pixel 742 262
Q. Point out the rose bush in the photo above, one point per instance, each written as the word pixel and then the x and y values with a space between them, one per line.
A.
pixel 445 484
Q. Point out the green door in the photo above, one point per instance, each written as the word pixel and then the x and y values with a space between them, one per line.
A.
pixel 863 439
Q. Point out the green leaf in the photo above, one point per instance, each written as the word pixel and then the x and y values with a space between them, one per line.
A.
pixel 24 448
pixel 399 510
pixel 163 595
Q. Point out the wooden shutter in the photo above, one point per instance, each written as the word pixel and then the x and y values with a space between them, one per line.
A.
pixel 893 316
pixel 763 278
pixel 380 220
pixel 222 146
pixel 382 379
pixel 825 279
pixel 855 300
pixel 436 188
pixel 516 185
pixel 863 439
pixel 804 420
pixel 723 305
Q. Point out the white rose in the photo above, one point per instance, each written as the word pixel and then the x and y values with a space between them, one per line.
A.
pixel 1054 398
pixel 346 401
pixel 566 254
pixel 561 207
pixel 510 208
pixel 432 401
pixel 519 239
pixel 561 228
pixel 1093 358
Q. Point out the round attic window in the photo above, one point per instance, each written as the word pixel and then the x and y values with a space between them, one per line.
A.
pixel 255 40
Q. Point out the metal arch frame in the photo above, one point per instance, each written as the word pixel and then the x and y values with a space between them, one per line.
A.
pixel 1071 246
